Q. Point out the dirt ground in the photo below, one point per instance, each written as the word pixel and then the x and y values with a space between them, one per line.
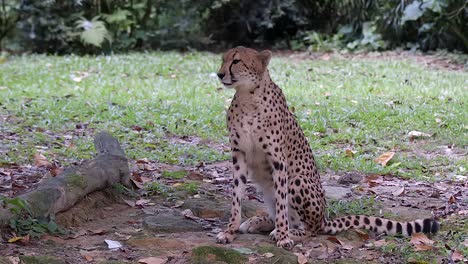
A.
pixel 173 227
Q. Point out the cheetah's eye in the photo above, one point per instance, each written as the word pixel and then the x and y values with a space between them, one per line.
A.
pixel 235 61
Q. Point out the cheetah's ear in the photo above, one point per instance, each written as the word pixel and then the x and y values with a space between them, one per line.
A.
pixel 265 57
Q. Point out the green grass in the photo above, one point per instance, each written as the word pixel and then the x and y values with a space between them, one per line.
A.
pixel 372 105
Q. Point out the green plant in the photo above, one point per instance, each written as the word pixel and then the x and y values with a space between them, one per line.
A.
pixel 23 223
pixel 122 190
pixel 93 32
pixel 364 206
pixel 174 174
pixel 154 188
pixel 190 187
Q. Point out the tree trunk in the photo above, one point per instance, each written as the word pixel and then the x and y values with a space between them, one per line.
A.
pixel 62 192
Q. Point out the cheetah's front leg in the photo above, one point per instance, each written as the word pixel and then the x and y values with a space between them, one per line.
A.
pixel 280 178
pixel 239 181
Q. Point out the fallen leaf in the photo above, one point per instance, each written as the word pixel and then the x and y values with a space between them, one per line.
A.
pixel 452 200
pixel 417 134
pixel 142 202
pixel 130 203
pixel 385 158
pixel 152 260
pixel 78 234
pixel 88 258
pixel 41 161
pixel 349 153
pixel 138 184
pixel 25 239
pixel 422 247
pixel 335 240
pixel 195 176
pixel 57 240
pixel 378 243
pixel 268 255
pixel 189 214
pixel 373 180
pixel 178 204
pixel 363 235
pixel 54 171
pixel 137 128
pixel 421 242
pixel 97 231
pixel 14 239
pixel 144 160
pixel 112 244
pixel 301 259
pixel 399 192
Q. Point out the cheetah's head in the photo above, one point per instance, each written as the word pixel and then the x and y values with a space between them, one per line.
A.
pixel 243 68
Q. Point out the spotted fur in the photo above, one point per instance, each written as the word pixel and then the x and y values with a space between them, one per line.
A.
pixel 269 147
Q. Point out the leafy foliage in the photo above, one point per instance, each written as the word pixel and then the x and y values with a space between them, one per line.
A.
pixel 93 32
pixel 50 26
pixel 24 223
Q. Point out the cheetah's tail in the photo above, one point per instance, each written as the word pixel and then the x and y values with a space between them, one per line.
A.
pixel 380 225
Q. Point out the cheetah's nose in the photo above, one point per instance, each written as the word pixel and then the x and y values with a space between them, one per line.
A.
pixel 221 75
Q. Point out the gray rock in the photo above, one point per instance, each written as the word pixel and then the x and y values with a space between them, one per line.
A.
pixel 335 192
pixel 171 222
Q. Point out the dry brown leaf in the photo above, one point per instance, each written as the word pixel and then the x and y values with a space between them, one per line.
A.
pixel 363 235
pixel 452 200
pixel 399 192
pixel 189 214
pixel 130 203
pixel 335 240
pixel 422 247
pixel 88 258
pixel 99 231
pixel 385 158
pixel 41 161
pixel 301 259
pixel 193 175
pixel 138 184
pixel 142 202
pixel 55 239
pixel 78 234
pixel 378 243
pixel 350 153
pixel 421 242
pixel 54 171
pixel 144 160
pixel 152 260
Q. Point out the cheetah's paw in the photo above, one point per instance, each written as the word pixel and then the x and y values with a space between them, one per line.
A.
pixel 274 235
pixel 285 243
pixel 225 237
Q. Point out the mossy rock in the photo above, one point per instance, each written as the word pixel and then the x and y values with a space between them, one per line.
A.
pixel 40 260
pixel 279 255
pixel 217 255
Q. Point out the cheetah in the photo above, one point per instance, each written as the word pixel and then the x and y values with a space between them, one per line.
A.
pixel 269 147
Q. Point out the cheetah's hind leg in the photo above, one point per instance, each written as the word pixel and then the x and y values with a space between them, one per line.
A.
pixel 257 224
